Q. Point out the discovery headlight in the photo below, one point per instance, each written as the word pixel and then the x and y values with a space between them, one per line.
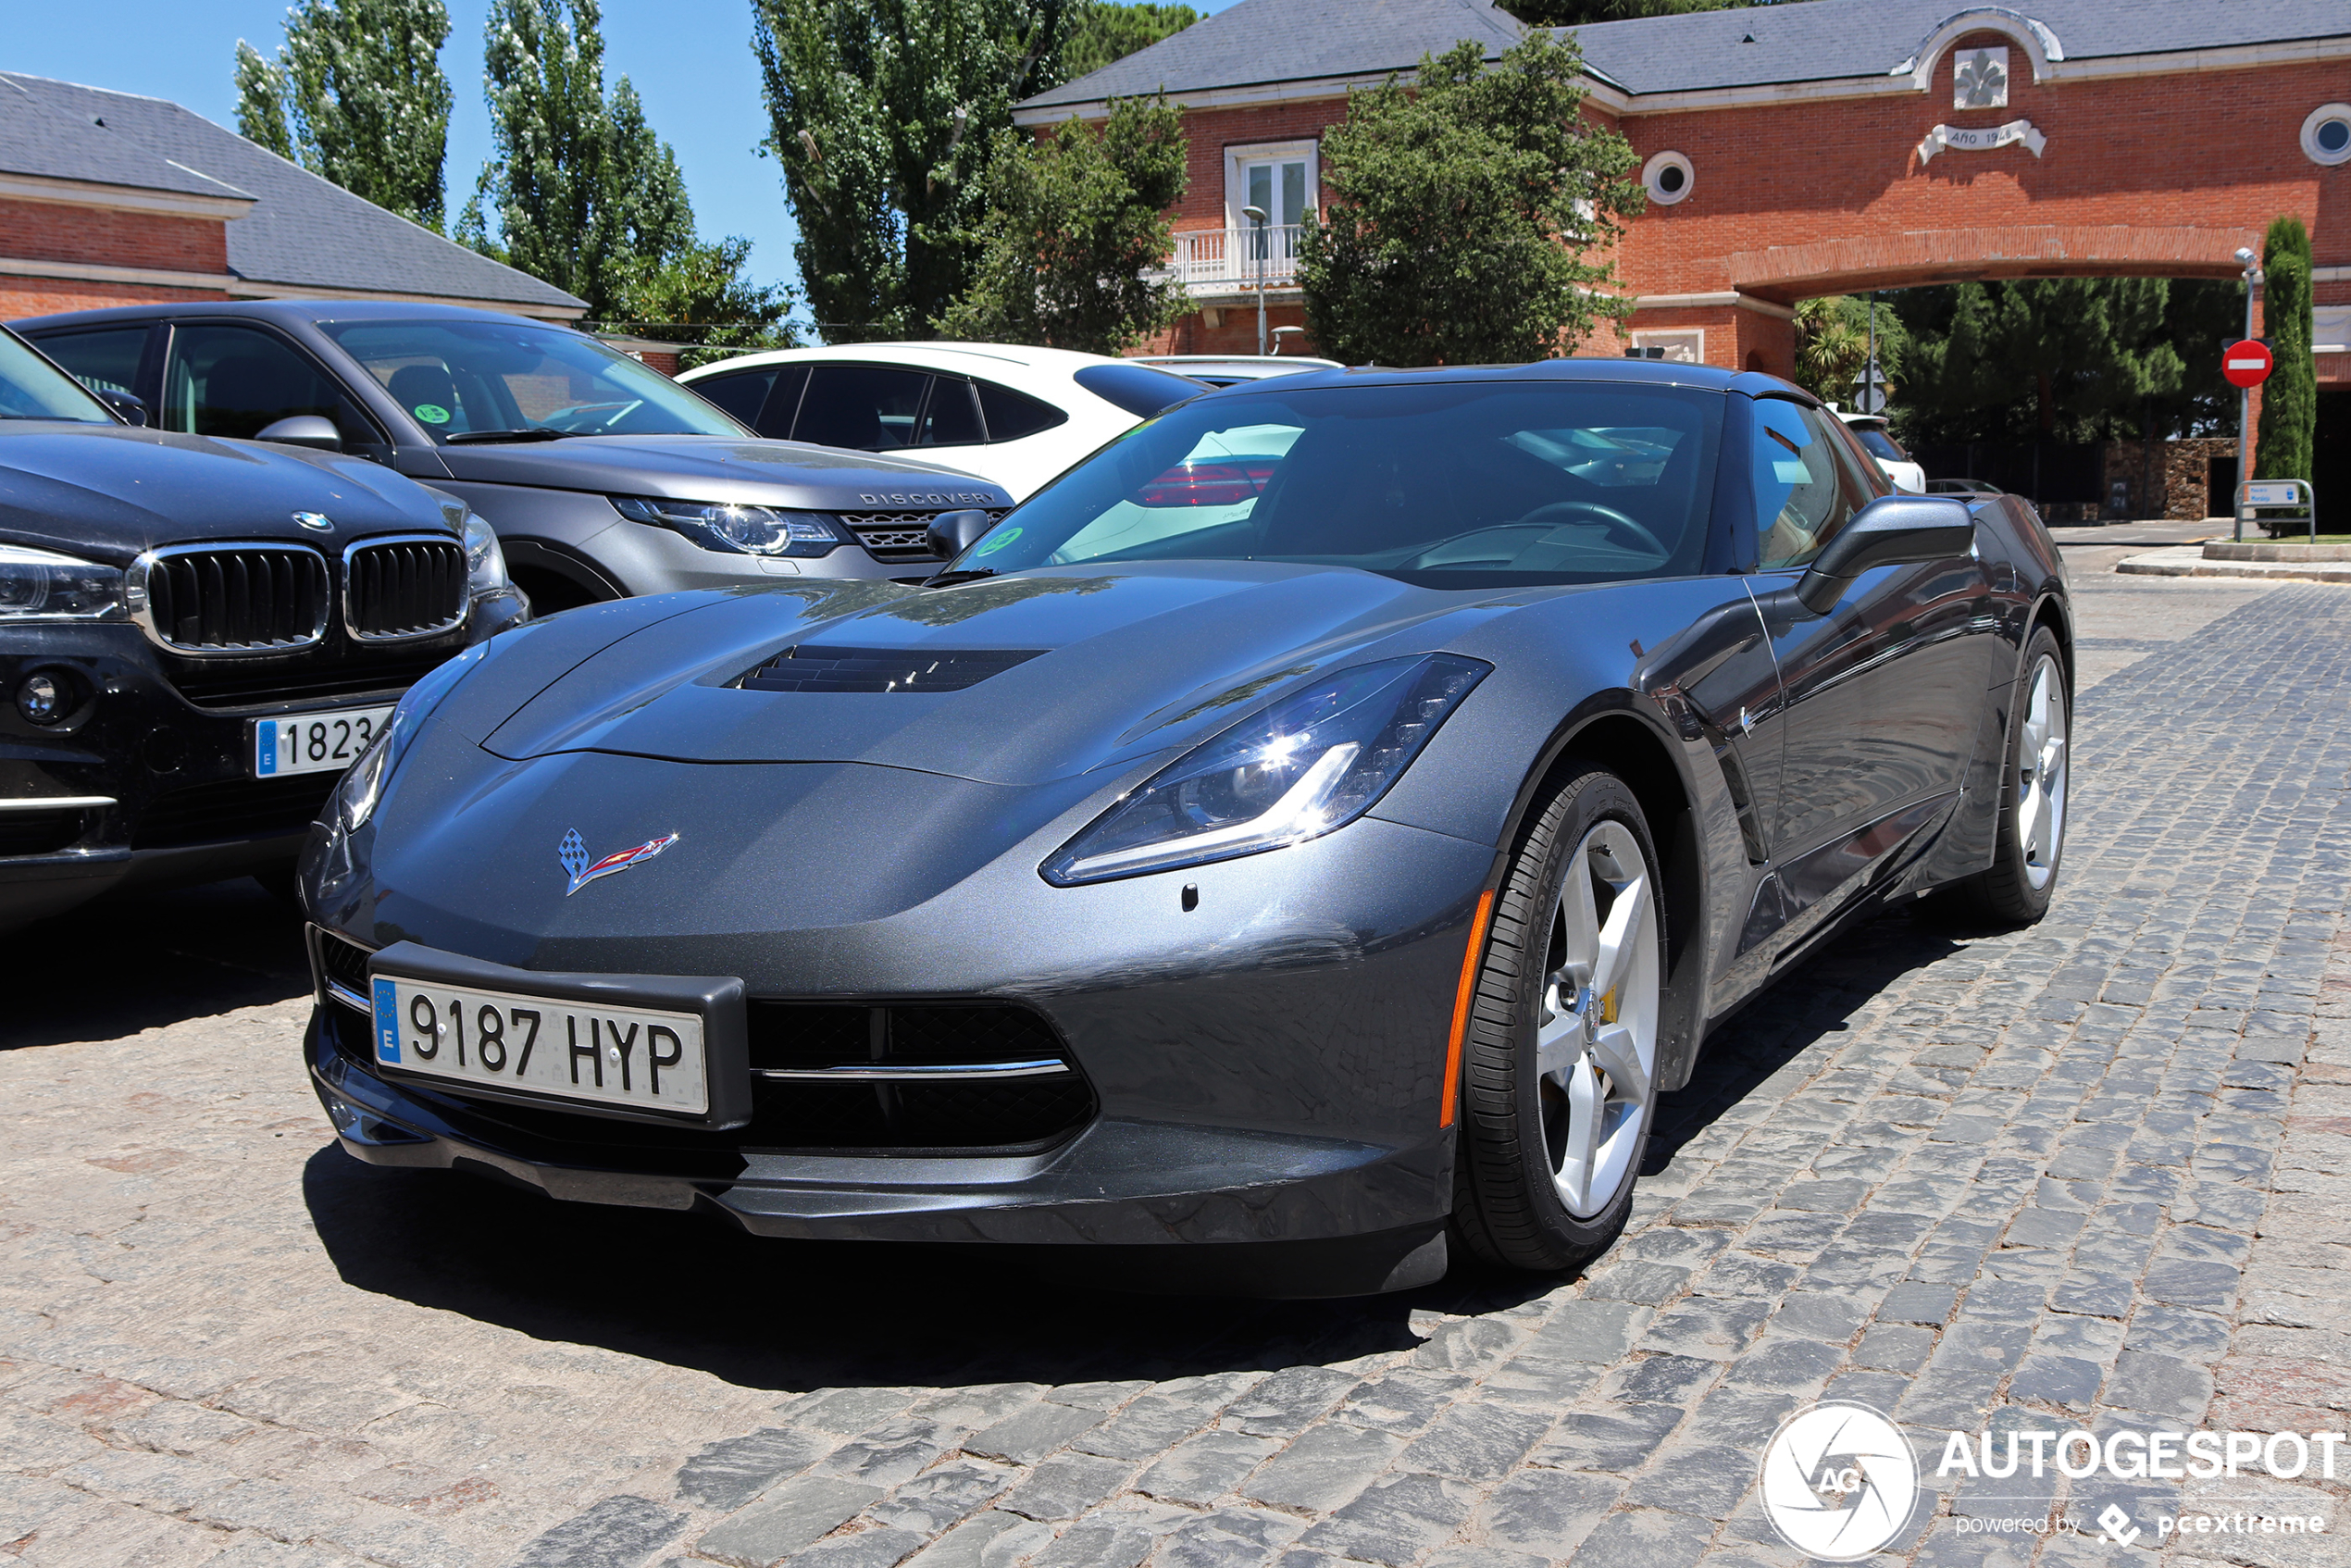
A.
pixel 1290 772
pixel 363 785
pixel 747 531
pixel 41 585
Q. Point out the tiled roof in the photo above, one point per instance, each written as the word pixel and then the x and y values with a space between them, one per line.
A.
pixel 1263 41
pixel 302 232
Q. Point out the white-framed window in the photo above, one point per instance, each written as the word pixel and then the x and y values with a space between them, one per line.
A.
pixel 1684 346
pixel 1278 178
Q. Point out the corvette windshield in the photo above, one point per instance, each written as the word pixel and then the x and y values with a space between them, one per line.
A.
pixel 1451 484
pixel 492 378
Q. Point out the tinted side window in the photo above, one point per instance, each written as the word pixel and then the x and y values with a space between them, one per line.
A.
pixel 741 395
pixel 106 361
pixel 1012 416
pixel 953 416
pixel 1801 492
pixel 235 381
pixel 783 402
pixel 864 407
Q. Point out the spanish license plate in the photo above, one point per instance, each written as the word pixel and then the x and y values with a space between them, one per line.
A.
pixel 320 742
pixel 627 1056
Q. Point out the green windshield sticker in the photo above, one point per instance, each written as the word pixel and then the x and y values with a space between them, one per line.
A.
pixel 996 542
pixel 431 412
pixel 1791 471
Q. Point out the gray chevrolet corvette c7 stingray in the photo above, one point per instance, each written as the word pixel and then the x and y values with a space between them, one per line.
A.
pixel 1301 842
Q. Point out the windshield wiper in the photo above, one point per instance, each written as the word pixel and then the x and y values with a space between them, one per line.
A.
pixel 949 579
pixel 535 432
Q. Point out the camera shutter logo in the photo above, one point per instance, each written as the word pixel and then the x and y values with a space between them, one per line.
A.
pixel 1839 1482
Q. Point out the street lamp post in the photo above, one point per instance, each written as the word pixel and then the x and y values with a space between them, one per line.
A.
pixel 1257 215
pixel 2254 279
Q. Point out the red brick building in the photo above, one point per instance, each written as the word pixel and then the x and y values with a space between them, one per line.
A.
pixel 1804 149
pixel 107 198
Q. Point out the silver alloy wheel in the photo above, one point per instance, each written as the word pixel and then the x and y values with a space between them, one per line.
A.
pixel 1595 1026
pixel 2041 772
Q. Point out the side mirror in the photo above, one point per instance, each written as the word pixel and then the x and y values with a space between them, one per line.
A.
pixel 952 533
pixel 303 429
pixel 1890 532
pixel 133 410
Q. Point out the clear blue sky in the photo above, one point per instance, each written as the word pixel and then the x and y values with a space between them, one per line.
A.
pixel 690 61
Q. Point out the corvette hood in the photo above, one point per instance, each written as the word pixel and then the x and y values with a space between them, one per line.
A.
pixel 1116 662
pixel 107 492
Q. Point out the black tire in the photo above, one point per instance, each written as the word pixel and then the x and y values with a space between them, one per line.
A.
pixel 2018 887
pixel 1508 1207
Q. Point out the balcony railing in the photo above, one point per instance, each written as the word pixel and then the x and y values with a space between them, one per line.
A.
pixel 1225 260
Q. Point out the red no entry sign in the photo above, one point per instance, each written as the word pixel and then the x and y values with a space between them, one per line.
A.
pixel 2246 364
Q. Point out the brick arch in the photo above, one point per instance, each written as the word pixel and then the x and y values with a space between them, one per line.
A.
pixel 1787 273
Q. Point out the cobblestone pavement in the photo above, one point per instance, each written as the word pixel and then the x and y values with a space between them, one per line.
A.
pixel 2097 1173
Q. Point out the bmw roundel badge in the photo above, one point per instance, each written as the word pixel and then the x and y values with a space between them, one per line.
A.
pixel 573 852
pixel 316 522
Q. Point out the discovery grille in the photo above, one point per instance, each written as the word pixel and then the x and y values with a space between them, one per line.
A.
pixel 399 588
pixel 812 668
pixel 900 536
pixel 232 599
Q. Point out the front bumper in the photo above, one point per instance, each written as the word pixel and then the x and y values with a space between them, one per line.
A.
pixel 1264 1060
pixel 184 806
pixel 1251 1211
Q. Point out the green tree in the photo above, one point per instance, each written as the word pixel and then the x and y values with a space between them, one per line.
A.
pixel 579 192
pixel 1108 30
pixel 358 96
pixel 699 296
pixel 2056 359
pixel 1578 13
pixel 1074 225
pixel 884 115
pixel 1464 206
pixel 2290 397
pixel 1833 344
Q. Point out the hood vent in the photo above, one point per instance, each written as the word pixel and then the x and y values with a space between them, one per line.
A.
pixel 811 668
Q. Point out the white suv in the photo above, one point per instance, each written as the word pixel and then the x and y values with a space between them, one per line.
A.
pixel 1876 440
pixel 1015 415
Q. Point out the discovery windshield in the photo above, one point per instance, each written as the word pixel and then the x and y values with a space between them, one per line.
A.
pixel 517 381
pixel 1451 484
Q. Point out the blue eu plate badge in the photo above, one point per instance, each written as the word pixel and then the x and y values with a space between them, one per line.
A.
pixel 387 1000
pixel 265 750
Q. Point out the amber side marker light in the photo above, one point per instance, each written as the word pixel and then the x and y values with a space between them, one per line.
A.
pixel 1461 1006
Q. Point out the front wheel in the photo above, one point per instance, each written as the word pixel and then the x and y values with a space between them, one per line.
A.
pixel 1559 1073
pixel 2034 779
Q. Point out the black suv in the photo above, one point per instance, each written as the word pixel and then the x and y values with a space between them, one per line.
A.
pixel 198 636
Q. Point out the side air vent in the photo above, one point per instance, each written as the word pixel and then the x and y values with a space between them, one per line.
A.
pixel 811 668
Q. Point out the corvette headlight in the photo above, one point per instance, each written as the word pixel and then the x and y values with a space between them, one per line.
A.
pixel 485 563
pixel 1310 763
pixel 41 585
pixel 363 784
pixel 747 531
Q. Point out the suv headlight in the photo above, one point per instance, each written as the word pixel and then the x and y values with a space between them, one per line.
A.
pixel 41 585
pixel 746 530
pixel 485 563
pixel 1287 773
pixel 363 784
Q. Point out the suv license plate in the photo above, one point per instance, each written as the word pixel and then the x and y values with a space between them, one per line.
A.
pixel 631 1056
pixel 321 742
